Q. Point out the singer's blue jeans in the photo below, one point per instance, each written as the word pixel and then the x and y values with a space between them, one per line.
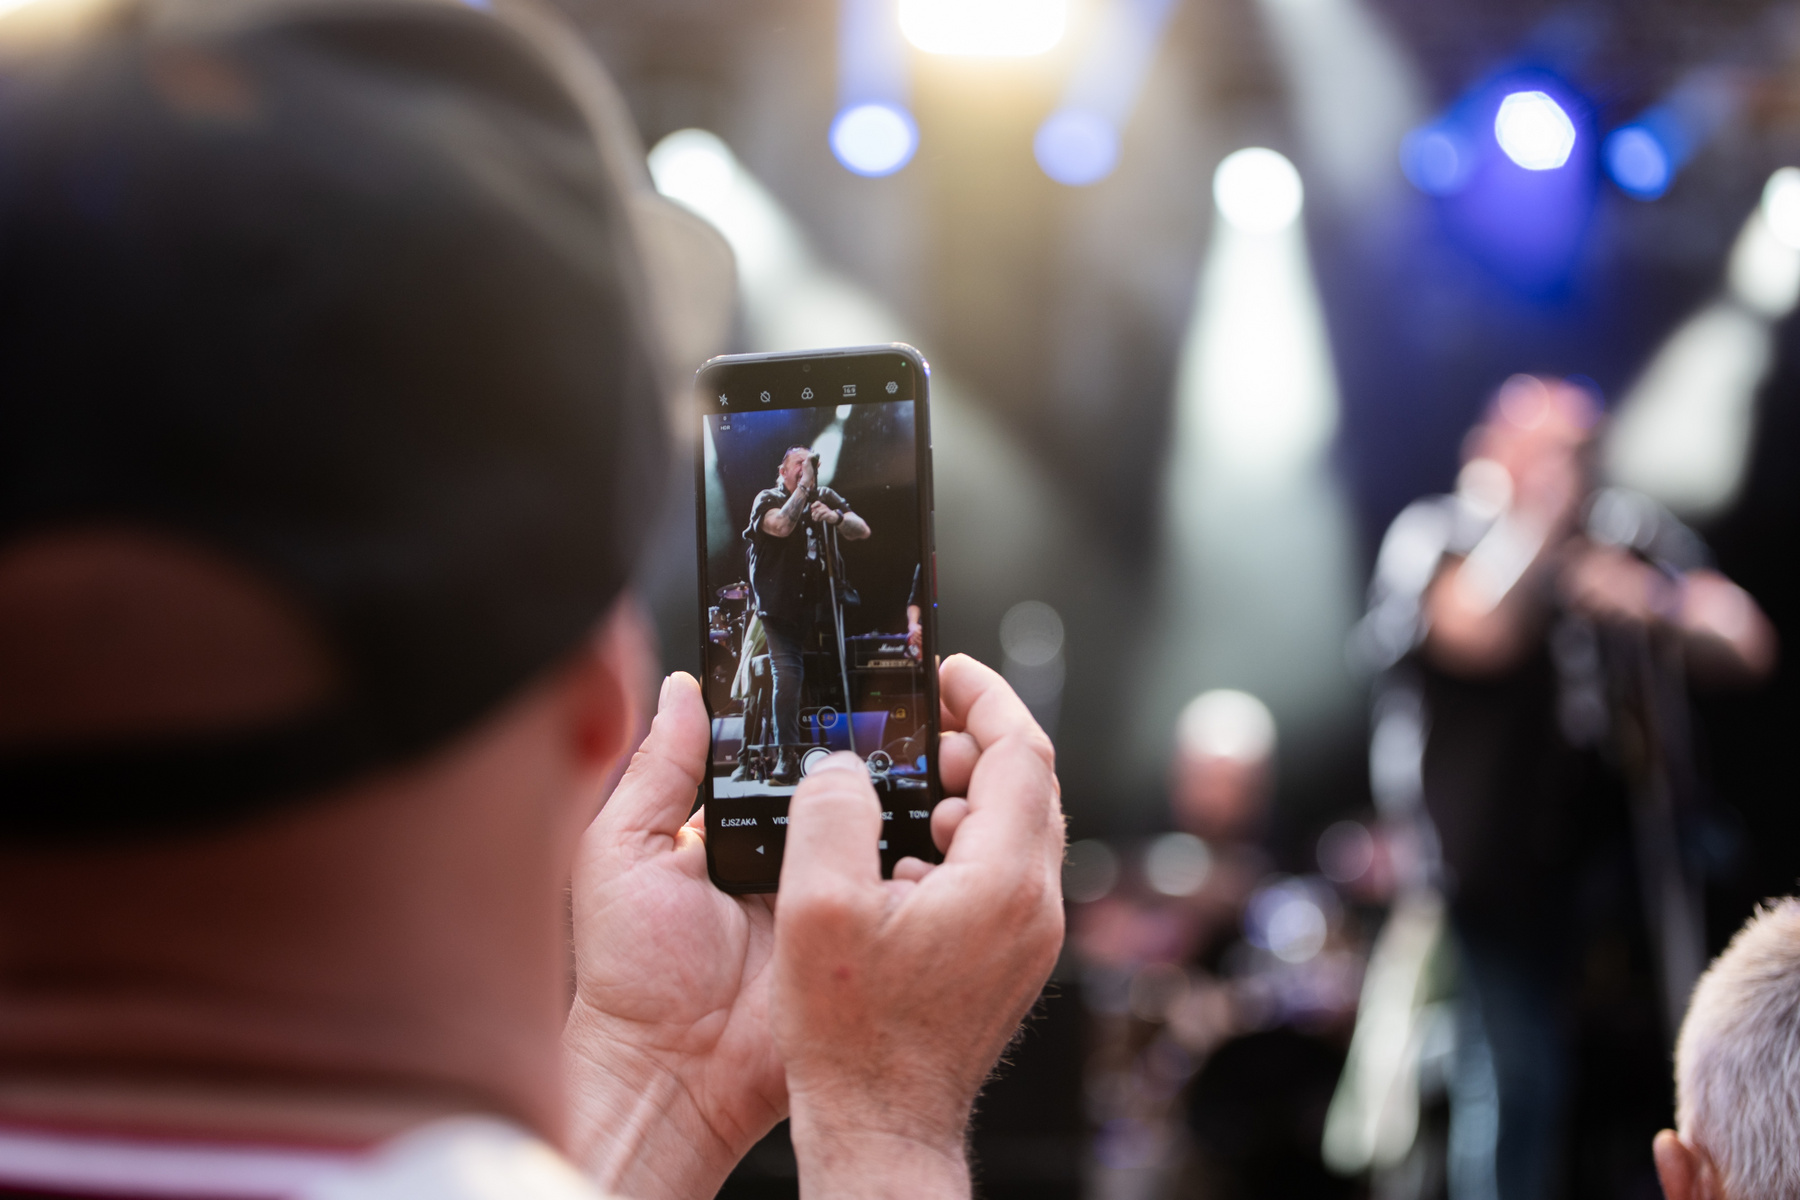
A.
pixel 790 677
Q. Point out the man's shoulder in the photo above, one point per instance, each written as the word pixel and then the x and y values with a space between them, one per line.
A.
pixel 461 1158
pixel 834 499
pixel 454 1158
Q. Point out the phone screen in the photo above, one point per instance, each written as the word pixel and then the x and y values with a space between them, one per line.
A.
pixel 816 594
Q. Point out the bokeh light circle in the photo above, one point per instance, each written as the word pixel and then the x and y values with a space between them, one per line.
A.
pixel 874 139
pixel 1076 147
pixel 1258 190
pixel 1031 633
pixel 1637 162
pixel 1534 131
pixel 1435 160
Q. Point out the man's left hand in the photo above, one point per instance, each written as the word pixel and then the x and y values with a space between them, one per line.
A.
pixel 673 1070
pixel 822 511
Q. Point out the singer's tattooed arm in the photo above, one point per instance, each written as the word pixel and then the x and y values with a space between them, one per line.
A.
pixel 784 520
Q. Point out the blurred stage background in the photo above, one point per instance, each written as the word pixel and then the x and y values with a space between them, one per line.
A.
pixel 1181 391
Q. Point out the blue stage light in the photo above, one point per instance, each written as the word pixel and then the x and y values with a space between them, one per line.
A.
pixel 874 139
pixel 1534 131
pixel 1638 161
pixel 1437 160
pixel 1076 147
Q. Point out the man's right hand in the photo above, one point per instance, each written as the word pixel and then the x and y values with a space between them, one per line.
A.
pixel 893 999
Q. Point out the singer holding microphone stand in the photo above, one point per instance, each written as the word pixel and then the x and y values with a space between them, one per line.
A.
pixel 787 577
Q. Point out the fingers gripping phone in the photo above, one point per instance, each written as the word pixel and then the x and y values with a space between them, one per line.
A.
pixel 817 594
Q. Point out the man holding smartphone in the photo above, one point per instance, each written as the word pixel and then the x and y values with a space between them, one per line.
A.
pixel 332 405
pixel 788 541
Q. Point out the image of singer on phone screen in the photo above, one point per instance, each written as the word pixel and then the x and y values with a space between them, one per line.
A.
pixel 815 579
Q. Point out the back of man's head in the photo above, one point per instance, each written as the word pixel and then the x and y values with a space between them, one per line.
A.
pixel 1737 1064
pixel 326 318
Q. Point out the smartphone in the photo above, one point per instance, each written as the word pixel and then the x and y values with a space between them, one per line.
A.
pixel 818 600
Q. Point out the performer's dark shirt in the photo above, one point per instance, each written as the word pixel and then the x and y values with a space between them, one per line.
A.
pixel 786 583
pixel 1520 773
pixel 1518 807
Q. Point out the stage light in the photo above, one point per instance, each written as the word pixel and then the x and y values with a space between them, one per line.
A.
pixel 1436 160
pixel 1534 131
pixel 1177 864
pixel 1227 723
pixel 1031 646
pixel 984 28
pixel 1287 919
pixel 1781 206
pixel 1076 147
pixel 1078 143
pixel 1031 633
pixel 1352 91
pixel 692 166
pixel 1090 869
pixel 1763 272
pixel 1638 162
pixel 1257 190
pixel 1684 432
pixel 1257 585
pixel 874 139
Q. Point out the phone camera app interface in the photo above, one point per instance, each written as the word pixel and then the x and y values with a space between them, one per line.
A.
pixel 815 592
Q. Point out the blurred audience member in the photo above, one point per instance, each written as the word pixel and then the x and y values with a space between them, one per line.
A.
pixel 330 436
pixel 1535 637
pixel 1219 991
pixel 1737 1071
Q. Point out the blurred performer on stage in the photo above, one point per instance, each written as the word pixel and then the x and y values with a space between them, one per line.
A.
pixel 787 551
pixel 1535 638
pixel 1218 992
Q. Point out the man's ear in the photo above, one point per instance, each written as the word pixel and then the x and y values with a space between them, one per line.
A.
pixel 1687 1173
pixel 609 686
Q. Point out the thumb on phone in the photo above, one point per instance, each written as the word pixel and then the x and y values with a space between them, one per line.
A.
pixel 834 825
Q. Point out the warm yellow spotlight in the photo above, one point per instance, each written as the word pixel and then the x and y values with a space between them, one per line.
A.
pixel 992 28
pixel 27 26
